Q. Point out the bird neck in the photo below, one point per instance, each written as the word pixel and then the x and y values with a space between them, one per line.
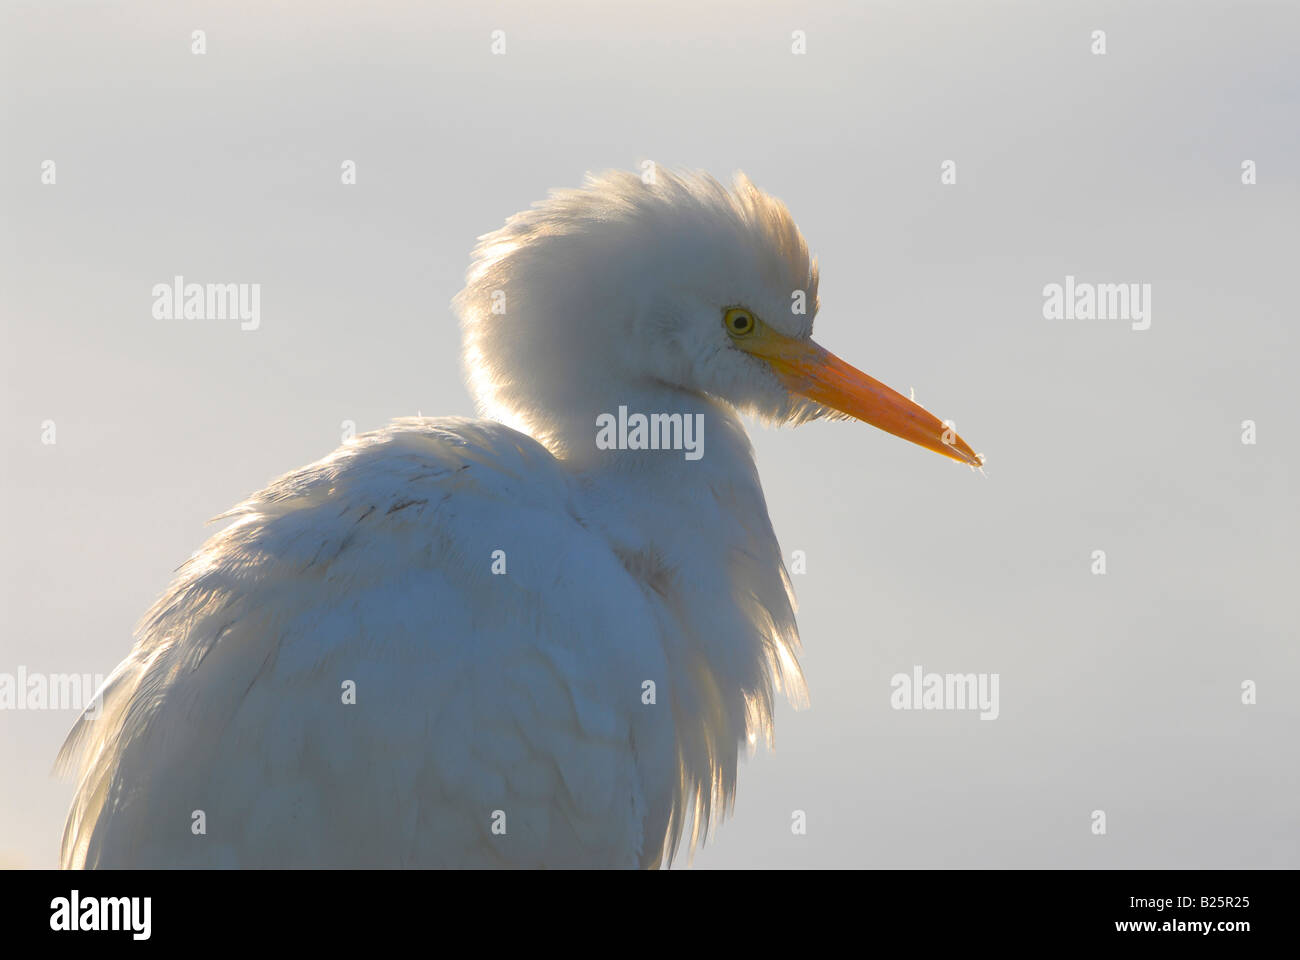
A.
pixel 663 470
pixel 690 524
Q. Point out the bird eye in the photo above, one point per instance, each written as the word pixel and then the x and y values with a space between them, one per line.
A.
pixel 738 321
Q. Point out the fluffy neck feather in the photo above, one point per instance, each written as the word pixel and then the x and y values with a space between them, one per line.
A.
pixel 716 574
pixel 547 332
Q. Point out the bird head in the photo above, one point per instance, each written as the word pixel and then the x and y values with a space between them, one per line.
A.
pixel 672 280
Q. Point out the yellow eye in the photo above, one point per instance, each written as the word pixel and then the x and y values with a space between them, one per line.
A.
pixel 738 321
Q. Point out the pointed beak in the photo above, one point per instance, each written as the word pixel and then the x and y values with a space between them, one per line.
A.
pixel 817 374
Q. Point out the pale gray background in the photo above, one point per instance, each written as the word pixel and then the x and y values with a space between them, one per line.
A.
pixel 1118 692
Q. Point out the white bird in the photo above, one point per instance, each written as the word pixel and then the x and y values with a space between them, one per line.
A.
pixel 538 639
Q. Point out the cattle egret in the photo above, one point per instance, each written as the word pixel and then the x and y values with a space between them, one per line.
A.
pixel 534 639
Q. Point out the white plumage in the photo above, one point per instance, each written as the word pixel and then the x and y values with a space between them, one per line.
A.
pixel 499 718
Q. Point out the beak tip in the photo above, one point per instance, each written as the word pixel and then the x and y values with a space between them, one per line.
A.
pixel 962 452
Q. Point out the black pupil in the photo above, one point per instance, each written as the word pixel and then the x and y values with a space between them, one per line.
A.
pixel 739 322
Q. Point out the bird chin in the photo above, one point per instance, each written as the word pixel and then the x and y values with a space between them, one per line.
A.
pixel 804 411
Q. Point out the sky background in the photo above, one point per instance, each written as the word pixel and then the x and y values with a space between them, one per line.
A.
pixel 1119 692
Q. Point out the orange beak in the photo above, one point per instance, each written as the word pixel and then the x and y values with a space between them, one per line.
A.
pixel 816 373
